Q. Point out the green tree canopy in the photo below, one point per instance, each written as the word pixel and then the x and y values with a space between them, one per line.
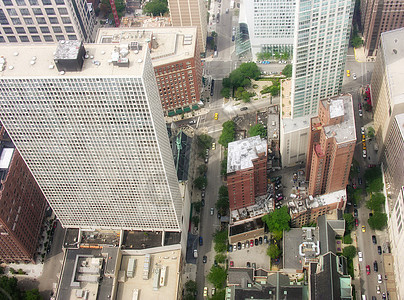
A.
pixel 204 141
pixel 202 169
pixel 200 182
pixel 349 222
pixel 376 202
pixel 357 41
pixel 219 295
pixel 228 133
pixel 195 220
pixel 374 181
pixel 190 289
pixel 274 251
pixel 220 240
pixel 349 252
pixel 9 286
pixel 225 92
pixel 198 206
pixel 357 195
pixel 220 258
pixel 371 132
pixel 222 203
pixel 378 221
pixel 250 70
pixel 106 10
pixel 33 295
pixel 258 129
pixel 156 7
pixel 217 276
pixel 241 77
pixel 278 221
pixel 287 70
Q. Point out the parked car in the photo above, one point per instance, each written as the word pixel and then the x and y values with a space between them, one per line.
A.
pixel 195 253
pixel 215 263
pixel 205 259
pixel 374 239
pixel 368 270
pixel 356 222
pixel 252 243
pixel 213 291
pixel 248 264
pixel 239 246
pixel 230 248
pixel 260 240
pixel 379 278
pixel 375 267
pixel 355 212
pixel 265 239
pixel 243 108
pixel 360 256
pixel 205 291
pixel 378 289
pixel 254 266
pixel 379 250
pixel 256 242
pixel 200 241
pixel 247 244
pixel 234 247
pixel 213 146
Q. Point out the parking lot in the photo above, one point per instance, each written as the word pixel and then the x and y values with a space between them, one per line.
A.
pixel 255 254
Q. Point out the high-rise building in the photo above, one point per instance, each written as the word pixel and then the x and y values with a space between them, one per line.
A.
pixel 89 124
pixel 319 52
pixel 386 88
pixel 175 58
pixel 38 21
pixel 22 206
pixel 246 171
pixel 185 13
pixel 270 25
pixel 378 16
pixel 332 141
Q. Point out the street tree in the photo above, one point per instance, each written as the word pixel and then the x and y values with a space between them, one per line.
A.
pixel 287 71
pixel 258 129
pixel 198 206
pixel 200 182
pixel 228 133
pixel 357 41
pixel 371 132
pixel 190 290
pixel 219 295
pixel 376 202
pixel 278 221
pixel 374 181
pixel 217 276
pixel 357 195
pixel 222 203
pixel 195 220
pixel 220 240
pixel 349 252
pixel 274 251
pixel 220 258
pixel 250 70
pixel 225 92
pixel 349 222
pixel 204 141
pixel 156 7
pixel 106 10
pixel 202 169
pixel 378 221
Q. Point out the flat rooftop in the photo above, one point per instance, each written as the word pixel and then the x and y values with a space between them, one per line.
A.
pixel 38 61
pixel 241 153
pixel 392 43
pixel 168 44
pixel 341 106
pixel 286 92
pixel 296 124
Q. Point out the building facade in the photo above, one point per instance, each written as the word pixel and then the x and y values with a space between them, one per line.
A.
pixel 319 52
pixel 386 88
pixel 378 16
pixel 92 133
pixel 270 25
pixel 185 13
pixel 34 21
pixel 332 140
pixel 246 171
pixel 22 206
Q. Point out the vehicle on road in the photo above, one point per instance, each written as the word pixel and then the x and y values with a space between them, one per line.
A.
pixel 192 122
pixel 216 116
pixel 212 211
pixel 355 212
pixel 374 239
pixel 364 153
pixel 239 246
pixel 363 228
pixel 200 241
pixel 233 38
pixel 195 253
pixel 213 291
pixel 205 259
pixel 379 250
pixel 367 269
pixel 360 113
pixel 227 10
pixel 243 108
pixel 379 278
pixel 378 289
pixel 231 263
pixel 362 130
pixel 252 243
pixel 360 256
pixel 354 76
pixel 356 222
pixel 213 146
pixel 205 291
pixel 348 73
pixel 375 266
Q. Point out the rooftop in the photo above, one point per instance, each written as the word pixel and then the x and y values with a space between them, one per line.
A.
pixel 344 131
pixel 168 44
pixel 296 124
pixel 39 60
pixel 241 153
pixel 392 43
pixel 286 92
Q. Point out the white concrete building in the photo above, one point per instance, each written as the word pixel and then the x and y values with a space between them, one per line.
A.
pixel 89 124
pixel 39 21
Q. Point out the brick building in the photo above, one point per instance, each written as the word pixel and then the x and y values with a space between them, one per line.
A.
pixel 332 141
pixel 22 206
pixel 246 171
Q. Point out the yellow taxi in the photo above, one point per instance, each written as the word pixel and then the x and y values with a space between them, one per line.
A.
pixel 216 116
pixel 213 146
pixel 348 73
pixel 363 228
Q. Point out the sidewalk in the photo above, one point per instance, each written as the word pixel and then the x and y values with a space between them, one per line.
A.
pixel 361 57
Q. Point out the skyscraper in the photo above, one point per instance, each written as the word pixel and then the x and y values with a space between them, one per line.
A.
pixel 319 52
pixel 185 13
pixel 332 141
pixel 38 21
pixel 89 124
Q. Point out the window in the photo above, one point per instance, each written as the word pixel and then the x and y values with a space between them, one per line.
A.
pixel 46 2
pixel 37 11
pixel 32 30
pixel 60 2
pixel 50 11
pixel 69 29
pixel 3 18
pixel 7 2
pixel 24 11
pixel 72 37
pixel 66 20
pixel 53 20
pixel 28 21
pixel 8 30
pixel 36 38
pixel 57 29
pixel 2 40
pixel 12 39
pixel 11 12
pixel 60 37
pixel 24 39
pixel 20 2
pixel 44 29
pixel 62 11
pixel 16 21
pixel 41 20
pixel 20 30
pixel 33 2
pixel 48 38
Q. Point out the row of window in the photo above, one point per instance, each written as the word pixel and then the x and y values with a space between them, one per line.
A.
pixel 35 38
pixel 31 2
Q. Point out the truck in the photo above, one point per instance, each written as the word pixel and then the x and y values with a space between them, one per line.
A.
pixel 232 4
pixel 130 272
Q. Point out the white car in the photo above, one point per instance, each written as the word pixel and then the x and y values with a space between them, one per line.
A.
pixel 205 291
pixel 212 211
pixel 360 255
pixel 378 289
pixel 364 153
pixel 354 76
pixel 379 278
pixel 362 130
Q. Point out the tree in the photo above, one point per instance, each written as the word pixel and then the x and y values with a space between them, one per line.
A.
pixel 374 181
pixel 220 258
pixel 222 203
pixel 33 295
pixel 9 286
pixel 219 295
pixel 371 132
pixel 156 7
pixel 190 289
pixel 287 70
pixel 198 206
pixel 357 41
pixel 274 251
pixel 258 129
pixel 213 34
pixel 200 182
pixel 357 195
pixel 225 92
pixel 278 221
pixel 349 222
pixel 204 141
pixel 349 252
pixel 217 276
pixel 220 240
pixel 223 170
pixel 245 96
pixel 250 70
pixel 376 202
pixel 195 220
pixel 105 8
pixel 202 169
pixel 228 133
pixel 378 221
pixel 347 238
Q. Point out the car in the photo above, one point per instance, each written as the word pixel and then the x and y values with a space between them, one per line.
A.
pixel 348 73
pixel 55 224
pixel 248 264
pixel 378 289
pixel 363 138
pixel 375 266
pixel 234 247
pixel 260 240
pixel 213 146
pixel 247 244
pixel 206 160
pixel 384 296
pixel 368 270
pixel 280 198
pixel 213 291
pixel 230 248
pixel 265 239
pixel 200 241
pixel 212 211
pixel 195 253
pixel 231 263
pixel 364 153
pixel 379 250
pixel 379 278
pixel 242 245
pixel 192 122
pixel 205 259
pixel 256 242
pixel 362 130
pixel 360 113
pixel 360 256
pixel 363 228
pixel 356 222
pixel 254 266
pixel 359 181
pixel 374 240
pixel 205 291
pixel 203 202
pixel 243 108
pixel 355 212
pixel 239 246
pixel 227 10
pixel 233 38
pixel 371 166
pixel 354 76
pixel 215 263
pixel 252 243
pixel 359 106
pixel 216 116
pixel 370 214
